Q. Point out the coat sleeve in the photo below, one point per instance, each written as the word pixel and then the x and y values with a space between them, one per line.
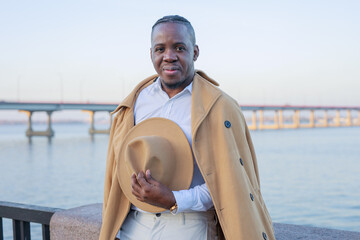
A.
pixel 110 161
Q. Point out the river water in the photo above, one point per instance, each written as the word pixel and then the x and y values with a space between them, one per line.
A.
pixel 308 176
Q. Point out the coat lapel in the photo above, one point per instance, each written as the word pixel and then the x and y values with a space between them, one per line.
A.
pixel 204 95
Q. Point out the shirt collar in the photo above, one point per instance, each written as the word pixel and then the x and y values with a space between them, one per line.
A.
pixel 157 87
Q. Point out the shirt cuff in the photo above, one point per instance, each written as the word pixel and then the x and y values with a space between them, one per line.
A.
pixel 193 199
pixel 184 200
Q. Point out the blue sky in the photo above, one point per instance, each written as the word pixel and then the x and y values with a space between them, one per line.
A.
pixel 261 52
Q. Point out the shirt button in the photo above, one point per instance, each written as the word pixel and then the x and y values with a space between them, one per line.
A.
pixel 227 124
pixel 264 236
pixel 158 214
pixel 252 197
pixel 241 161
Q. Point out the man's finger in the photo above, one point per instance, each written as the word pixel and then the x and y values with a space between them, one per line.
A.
pixel 149 178
pixel 135 192
pixel 136 188
pixel 141 179
pixel 134 183
pixel 134 179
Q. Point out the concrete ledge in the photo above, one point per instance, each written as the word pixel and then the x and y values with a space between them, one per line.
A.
pixel 85 222
pixel 77 223
pixel 290 231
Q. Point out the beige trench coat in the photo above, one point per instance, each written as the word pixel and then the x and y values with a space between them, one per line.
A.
pixel 234 185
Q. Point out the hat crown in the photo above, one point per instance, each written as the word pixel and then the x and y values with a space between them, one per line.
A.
pixel 154 153
pixel 160 145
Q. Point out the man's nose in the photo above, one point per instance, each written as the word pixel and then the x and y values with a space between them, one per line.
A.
pixel 170 56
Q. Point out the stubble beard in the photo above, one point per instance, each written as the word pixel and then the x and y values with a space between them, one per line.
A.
pixel 176 85
pixel 173 86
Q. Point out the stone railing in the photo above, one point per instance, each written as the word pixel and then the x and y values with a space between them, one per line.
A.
pixel 84 223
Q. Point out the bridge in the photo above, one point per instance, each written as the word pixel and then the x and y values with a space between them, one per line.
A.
pixel 257 121
pixel 49 107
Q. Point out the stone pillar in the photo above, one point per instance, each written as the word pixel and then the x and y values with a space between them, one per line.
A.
pixel 77 223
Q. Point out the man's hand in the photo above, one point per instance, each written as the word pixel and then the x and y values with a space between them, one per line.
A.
pixel 146 189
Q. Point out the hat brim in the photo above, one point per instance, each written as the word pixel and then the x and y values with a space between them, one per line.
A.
pixel 182 152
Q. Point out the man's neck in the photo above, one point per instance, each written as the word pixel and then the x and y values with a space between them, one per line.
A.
pixel 171 92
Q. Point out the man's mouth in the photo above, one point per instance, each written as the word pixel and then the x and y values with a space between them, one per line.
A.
pixel 170 70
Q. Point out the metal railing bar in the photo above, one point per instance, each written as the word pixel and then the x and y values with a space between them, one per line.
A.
pixel 16 229
pixel 25 230
pixel 45 232
pixel 21 230
pixel 1 229
pixel 26 213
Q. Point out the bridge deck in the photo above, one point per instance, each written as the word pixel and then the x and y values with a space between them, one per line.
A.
pixel 45 106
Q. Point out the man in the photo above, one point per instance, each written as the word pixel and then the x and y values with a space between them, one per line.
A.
pixel 225 183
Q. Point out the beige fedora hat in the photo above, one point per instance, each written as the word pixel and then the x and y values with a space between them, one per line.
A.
pixel 160 145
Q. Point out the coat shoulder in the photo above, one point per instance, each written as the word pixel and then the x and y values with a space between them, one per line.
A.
pixel 212 88
pixel 129 100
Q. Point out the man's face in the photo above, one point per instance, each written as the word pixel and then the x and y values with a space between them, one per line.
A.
pixel 173 54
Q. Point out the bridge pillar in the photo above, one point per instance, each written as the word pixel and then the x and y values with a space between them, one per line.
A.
pixel 29 124
pixel 296 119
pixel 276 120
pixel 261 119
pixel 337 118
pixel 92 129
pixel 49 128
pixel 253 121
pixel 281 119
pixel 312 119
pixel 348 118
pixel 31 133
pixel 326 119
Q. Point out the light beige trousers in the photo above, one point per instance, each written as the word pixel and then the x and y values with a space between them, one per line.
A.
pixel 182 226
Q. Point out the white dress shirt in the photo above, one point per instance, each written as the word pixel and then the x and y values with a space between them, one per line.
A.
pixel 153 101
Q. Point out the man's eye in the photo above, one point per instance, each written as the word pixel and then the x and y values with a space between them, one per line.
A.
pixel 180 48
pixel 159 49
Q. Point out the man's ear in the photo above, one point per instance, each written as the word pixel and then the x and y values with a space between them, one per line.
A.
pixel 196 52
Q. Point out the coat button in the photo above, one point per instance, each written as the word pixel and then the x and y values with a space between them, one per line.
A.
pixel 252 197
pixel 264 236
pixel 227 124
pixel 242 162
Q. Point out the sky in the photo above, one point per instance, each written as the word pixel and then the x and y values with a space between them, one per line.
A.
pixel 261 52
